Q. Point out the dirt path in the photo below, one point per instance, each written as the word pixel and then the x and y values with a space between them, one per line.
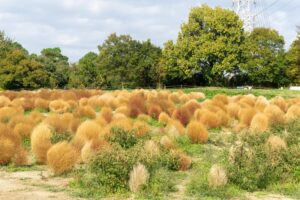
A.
pixel 32 185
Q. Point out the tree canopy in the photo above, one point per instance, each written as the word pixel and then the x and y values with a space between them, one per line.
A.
pixel 211 49
pixel 265 58
pixel 293 59
pixel 123 60
pixel 207 48
pixel 17 68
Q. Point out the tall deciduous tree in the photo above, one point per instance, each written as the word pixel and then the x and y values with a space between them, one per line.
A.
pixel 293 57
pixel 265 65
pixel 86 73
pixel 56 65
pixel 19 70
pixel 207 50
pixel 123 60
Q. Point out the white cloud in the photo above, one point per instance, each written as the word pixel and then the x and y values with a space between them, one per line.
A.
pixel 66 39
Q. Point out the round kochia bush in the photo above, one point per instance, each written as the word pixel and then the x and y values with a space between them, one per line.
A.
pixel 109 170
pixel 258 161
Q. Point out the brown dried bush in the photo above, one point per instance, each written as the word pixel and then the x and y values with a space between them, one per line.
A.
pixel 259 123
pixel 61 157
pixel 41 142
pixel 197 132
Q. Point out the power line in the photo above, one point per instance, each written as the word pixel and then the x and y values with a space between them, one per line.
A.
pixel 268 7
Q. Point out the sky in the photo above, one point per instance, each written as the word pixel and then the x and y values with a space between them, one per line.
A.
pixel 79 26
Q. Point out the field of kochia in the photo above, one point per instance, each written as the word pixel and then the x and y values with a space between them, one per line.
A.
pixel 146 142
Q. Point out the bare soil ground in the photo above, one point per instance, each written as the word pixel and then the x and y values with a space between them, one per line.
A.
pixel 37 185
pixel 32 185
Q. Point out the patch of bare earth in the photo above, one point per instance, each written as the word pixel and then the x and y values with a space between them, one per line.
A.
pixel 32 185
pixel 267 197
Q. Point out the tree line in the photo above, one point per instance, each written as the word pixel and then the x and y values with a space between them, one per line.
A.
pixel 211 49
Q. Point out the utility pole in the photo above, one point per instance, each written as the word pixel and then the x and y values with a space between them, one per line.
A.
pixel 246 10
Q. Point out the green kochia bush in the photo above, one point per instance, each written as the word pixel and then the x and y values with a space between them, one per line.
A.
pixel 125 139
pixel 109 170
pixel 253 165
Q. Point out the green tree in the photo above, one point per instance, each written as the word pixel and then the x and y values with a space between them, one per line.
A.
pixel 56 65
pixel 123 60
pixel 19 70
pixel 86 73
pixel 207 50
pixel 265 58
pixel 293 58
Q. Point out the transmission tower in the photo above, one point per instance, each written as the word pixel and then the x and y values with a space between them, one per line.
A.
pixel 246 10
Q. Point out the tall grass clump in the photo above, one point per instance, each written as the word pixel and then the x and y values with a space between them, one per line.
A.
pixel 138 177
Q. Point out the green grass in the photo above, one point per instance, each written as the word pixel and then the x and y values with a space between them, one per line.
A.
pixel 268 93
pixel 14 168
pixel 288 189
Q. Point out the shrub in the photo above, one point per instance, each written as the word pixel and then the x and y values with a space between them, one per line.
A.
pixel 41 103
pixel 246 115
pixel 209 119
pixel 85 111
pixel 58 123
pixel 191 106
pixel 217 176
pixel 91 148
pixel 36 117
pixel 223 117
pixel 280 102
pixel 261 103
pixel 185 162
pixel 151 148
pixel 163 118
pixel 154 111
pixel 124 110
pixel 107 114
pixel 233 110
pixel 292 113
pixel 136 104
pixel 258 161
pixel 275 114
pixel 138 177
pixel 58 106
pixel 182 115
pixel 174 97
pixel 141 128
pixel 174 128
pixel 23 129
pixel 275 143
pixel 111 169
pixel 221 98
pixel 125 124
pixel 197 132
pixel 259 123
pixel 7 149
pixel 166 142
pixel 61 157
pixel 88 130
pixel 4 101
pixel 21 156
pixel 125 139
pixel 41 142
pixel 7 113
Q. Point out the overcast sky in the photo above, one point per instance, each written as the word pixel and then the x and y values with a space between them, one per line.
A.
pixel 78 26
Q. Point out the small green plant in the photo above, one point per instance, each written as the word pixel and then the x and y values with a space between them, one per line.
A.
pixel 59 137
pixel 125 139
